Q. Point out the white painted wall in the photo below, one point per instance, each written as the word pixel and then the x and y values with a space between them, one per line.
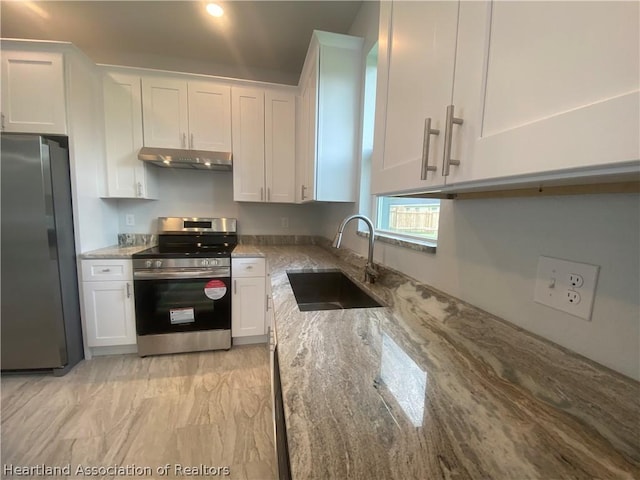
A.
pixel 209 194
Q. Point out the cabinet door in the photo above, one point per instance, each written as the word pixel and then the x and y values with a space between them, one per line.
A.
pixel 123 136
pixel 279 143
pixel 109 313
pixel 415 78
pixel 560 89
pixel 248 307
pixel 309 129
pixel 338 121
pixel 166 120
pixel 247 106
pixel 33 95
pixel 209 117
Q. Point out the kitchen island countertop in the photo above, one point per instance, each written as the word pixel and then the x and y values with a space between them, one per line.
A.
pixel 431 387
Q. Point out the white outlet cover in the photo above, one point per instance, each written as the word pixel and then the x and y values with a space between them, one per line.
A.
pixel 552 285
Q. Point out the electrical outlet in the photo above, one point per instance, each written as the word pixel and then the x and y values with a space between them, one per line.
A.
pixel 566 286
pixel 573 297
pixel 575 280
pixel 130 220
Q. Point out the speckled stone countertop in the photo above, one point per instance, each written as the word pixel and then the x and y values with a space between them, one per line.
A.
pixel 114 252
pixel 430 387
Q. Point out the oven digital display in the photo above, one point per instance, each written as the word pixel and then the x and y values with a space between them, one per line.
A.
pixel 196 224
pixel 182 315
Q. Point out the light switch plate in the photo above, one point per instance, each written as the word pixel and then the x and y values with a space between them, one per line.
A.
pixel 553 286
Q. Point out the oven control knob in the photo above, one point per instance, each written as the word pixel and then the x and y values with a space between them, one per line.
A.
pixel 148 263
pixel 158 263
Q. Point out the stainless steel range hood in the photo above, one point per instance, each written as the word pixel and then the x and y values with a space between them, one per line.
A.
pixel 192 159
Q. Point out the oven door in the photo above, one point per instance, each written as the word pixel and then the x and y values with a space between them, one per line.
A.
pixel 182 301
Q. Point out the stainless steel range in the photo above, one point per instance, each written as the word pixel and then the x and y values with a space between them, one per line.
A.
pixel 183 286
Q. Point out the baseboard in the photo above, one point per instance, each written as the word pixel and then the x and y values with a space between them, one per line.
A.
pixel 249 340
pixel 113 350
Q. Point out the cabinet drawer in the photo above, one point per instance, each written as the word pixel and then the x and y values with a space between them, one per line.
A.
pixel 248 267
pixel 103 270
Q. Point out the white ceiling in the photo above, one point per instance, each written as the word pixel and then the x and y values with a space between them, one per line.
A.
pixel 257 40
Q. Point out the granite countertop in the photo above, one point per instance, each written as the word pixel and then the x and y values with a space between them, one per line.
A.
pixel 250 251
pixel 431 387
pixel 113 252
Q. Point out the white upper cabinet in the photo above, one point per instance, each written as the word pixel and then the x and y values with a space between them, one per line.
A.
pixel 280 146
pixel 33 92
pixel 263 145
pixel 516 91
pixel 127 177
pixel 415 75
pixel 186 115
pixel 330 88
pixel 306 144
pixel 546 87
pixel 248 144
pixel 209 116
pixel 166 114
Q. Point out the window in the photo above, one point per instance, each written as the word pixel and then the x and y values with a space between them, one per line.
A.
pixel 415 218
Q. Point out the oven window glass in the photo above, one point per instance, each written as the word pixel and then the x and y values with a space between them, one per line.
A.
pixel 182 305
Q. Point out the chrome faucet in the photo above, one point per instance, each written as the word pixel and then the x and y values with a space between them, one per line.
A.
pixel 370 270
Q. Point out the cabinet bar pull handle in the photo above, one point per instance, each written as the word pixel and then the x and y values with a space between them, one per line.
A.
pixel 184 140
pixel 302 189
pixel 267 303
pixel 268 194
pixel 261 193
pixel 426 143
pixel 139 189
pixel 235 287
pixel 3 122
pixel 448 137
pixel 128 290
pixel 105 270
pixel 191 143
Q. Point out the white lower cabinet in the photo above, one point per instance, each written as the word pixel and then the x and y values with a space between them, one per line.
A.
pixel 109 308
pixel 249 300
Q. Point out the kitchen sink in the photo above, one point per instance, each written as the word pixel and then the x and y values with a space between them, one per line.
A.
pixel 328 290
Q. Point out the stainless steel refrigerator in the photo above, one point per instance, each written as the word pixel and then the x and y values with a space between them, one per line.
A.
pixel 40 323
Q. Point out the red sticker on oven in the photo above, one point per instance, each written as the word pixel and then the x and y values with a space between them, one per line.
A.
pixel 215 289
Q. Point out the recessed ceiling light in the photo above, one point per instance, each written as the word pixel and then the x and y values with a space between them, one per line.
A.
pixel 215 10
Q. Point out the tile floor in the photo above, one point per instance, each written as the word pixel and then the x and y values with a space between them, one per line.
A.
pixel 211 409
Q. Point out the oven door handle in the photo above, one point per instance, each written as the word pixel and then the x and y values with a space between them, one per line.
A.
pixel 154 275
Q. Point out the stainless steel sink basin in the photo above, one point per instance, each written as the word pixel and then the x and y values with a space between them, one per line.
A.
pixel 328 290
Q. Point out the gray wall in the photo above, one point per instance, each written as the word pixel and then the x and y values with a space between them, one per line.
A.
pixel 487 255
